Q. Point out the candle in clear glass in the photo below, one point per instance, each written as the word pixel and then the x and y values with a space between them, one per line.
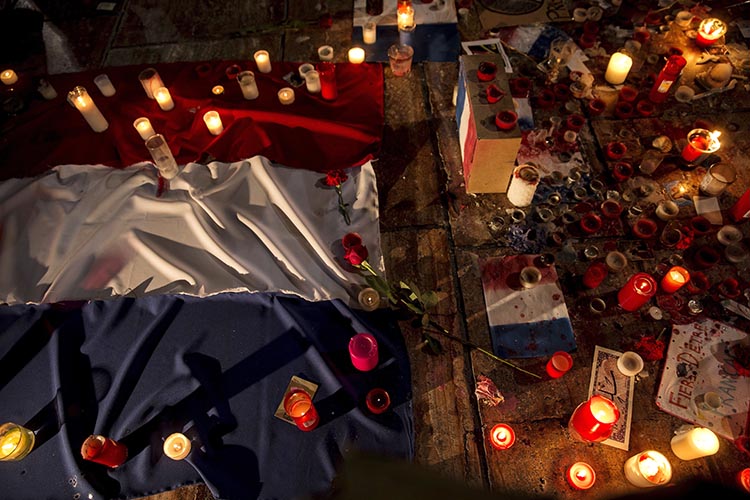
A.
pixel 164 98
pixel 709 32
pixel 327 74
pixel 630 363
pixel 356 55
pixel 559 364
pixel 581 476
pixel 150 80
pixel 744 479
pixel 8 77
pixel 304 69
pixel 648 468
pixel 213 122
pixel 594 419
pixel 312 81
pixel 263 61
pixel 618 68
pixel 700 142
pixel 104 450
pixel 299 406
pixel 248 85
pixel 695 443
pixel 144 128
pixel 718 177
pixel 83 103
pixel 369 299
pixel 502 436
pixel 667 210
pixel 104 84
pixel 177 446
pixel 636 292
pixel 370 32
pixel 675 279
pixel 161 154
pixel 529 277
pixel 15 442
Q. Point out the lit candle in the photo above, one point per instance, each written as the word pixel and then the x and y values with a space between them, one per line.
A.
pixel 263 61
pixel 8 77
pixel 370 33
pixel 709 32
pixel 744 478
pixel 581 476
pixel 177 446
pixel 618 68
pixel 15 442
pixel 144 128
pixel 286 95
pixel 217 89
pixel 248 86
pixel 675 279
pixel 164 98
pixel 559 364
pixel 649 468
pixel 104 84
pixel 299 406
pixel 695 443
pixel 213 122
pixel 83 103
pixel 327 74
pixel 104 450
pixel 406 19
pixel 356 55
pixel 502 436
pixel 636 292
pixel 523 184
pixel 594 419
pixel 369 299
pixel 312 81
pixel 700 142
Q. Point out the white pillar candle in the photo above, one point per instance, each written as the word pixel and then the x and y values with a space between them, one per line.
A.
pixel 286 95
pixel 8 77
pixel 164 98
pixel 356 55
pixel 177 446
pixel 325 53
pixel 46 89
pixel 263 61
pixel 618 68
pixel 248 85
pixel 83 103
pixel 312 81
pixel 695 443
pixel 213 122
pixel 104 84
pixel 144 128
pixel 648 468
pixel 523 185
pixel 370 33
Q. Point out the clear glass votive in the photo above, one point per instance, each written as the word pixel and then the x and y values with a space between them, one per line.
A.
pixel 150 80
pixel 15 442
pixel 248 85
pixel 162 156
pixel 718 177
pixel 400 57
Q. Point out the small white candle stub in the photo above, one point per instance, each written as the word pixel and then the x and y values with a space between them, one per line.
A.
pixel 325 53
pixel 144 128
pixel 618 68
pixel 164 98
pixel 83 103
pixel 177 446
pixel 286 95
pixel 695 443
pixel 312 81
pixel 213 122
pixel 8 77
pixel 104 84
pixel 356 55
pixel 263 61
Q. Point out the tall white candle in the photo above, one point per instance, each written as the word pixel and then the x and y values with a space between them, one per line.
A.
pixel 618 68
pixel 104 84
pixel 523 185
pixel 46 89
pixel 370 33
pixel 695 443
pixel 8 77
pixel 648 468
pixel 286 95
pixel 213 122
pixel 263 61
pixel 356 55
pixel 144 128
pixel 164 98
pixel 83 103
pixel 150 80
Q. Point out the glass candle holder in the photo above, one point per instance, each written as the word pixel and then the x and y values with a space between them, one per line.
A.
pixel 502 436
pixel 529 277
pixel 595 275
pixel 83 103
pixel 630 364
pixel 150 80
pixel 709 32
pixel 162 156
pixel 369 299
pixel 248 85
pixel 213 122
pixel 581 476
pixel 363 351
pixel 700 143
pixel 594 420
pixel 262 61
pixel 312 81
pixel 636 292
pixel 667 210
pixel 718 177
pixel 370 33
pixel 104 84
pixel 647 469
pixel 400 57
pixel 356 55
pixel 104 450
pixel 16 442
pixel 299 406
pixel 177 446
pixel 378 401
pixel 559 364
pixel 676 278
pixel 144 128
pixel 327 74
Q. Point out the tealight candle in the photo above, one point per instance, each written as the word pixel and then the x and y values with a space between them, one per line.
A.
pixel 709 32
pixel 356 55
pixel 286 95
pixel 15 442
pixel 648 468
pixel 83 103
pixel 594 420
pixel 581 476
pixel 695 443
pixel 675 279
pixel 104 450
pixel 213 122
pixel 164 98
pixel 559 364
pixel 370 33
pixel 744 478
pixel 217 89
pixel 700 142
pixel 298 405
pixel 104 84
pixel 502 436
pixel 369 299
pixel 263 61
pixel 406 19
pixel 618 68
pixel 144 128
pixel 8 77
pixel 177 446
pixel 636 292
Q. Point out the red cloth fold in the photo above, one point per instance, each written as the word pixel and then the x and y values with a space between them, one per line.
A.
pixel 311 133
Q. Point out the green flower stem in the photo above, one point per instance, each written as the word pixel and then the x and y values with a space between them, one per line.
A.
pixel 342 206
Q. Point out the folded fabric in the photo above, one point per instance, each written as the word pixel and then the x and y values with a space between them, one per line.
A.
pixel 87 232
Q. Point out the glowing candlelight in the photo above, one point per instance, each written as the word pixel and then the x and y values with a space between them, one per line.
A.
pixel 646 469
pixel 356 55
pixel 406 19
pixel 298 405
pixel 213 122
pixel 636 292
pixel 286 95
pixel 144 128
pixel 695 443
pixel 217 89
pixel 618 68
pixel 559 364
pixel 83 103
pixel 8 77
pixel 709 32
pixel 502 436
pixel 675 279
pixel 177 446
pixel 700 142
pixel 744 478
pixel 104 450
pixel 164 98
pixel 15 442
pixel 594 419
pixel 581 476
pixel 263 61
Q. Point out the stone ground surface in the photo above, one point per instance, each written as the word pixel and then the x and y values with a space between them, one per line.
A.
pixel 434 235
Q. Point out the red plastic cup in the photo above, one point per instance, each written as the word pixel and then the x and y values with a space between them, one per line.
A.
pixel 363 350
pixel 559 364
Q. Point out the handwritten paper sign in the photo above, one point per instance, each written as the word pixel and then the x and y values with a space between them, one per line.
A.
pixel 608 381
pixel 700 383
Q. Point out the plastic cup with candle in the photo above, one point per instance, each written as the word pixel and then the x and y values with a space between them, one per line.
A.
pixel 83 103
pixel 697 442
pixel 709 32
pixel 637 291
pixel 150 80
pixel 594 420
pixel 286 95
pixel 262 61
pixel 400 57
pixel 161 154
pixel 213 122
pixel 630 363
pixel 717 178
pixel 363 351
pixel 618 68
pixel 676 278
pixel 8 77
pixel 559 364
pixel 16 442
pixel 104 84
pixel 356 55
pixel 299 406
pixel 164 98
pixel 369 32
pixel 144 128
pixel 700 143
pixel 104 450
pixel 502 436
pixel 325 53
pixel 581 476
pixel 647 469
pixel 312 82
pixel 378 401
pixel 248 85
pixel 177 446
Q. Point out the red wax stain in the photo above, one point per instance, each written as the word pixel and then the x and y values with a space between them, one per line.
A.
pixel 556 296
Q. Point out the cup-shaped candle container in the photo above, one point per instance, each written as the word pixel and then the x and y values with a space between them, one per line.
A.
pixel 83 103
pixel 644 228
pixel 615 150
pixel 213 122
pixel 177 446
pixel 370 33
pixel 523 184
pixel 717 178
pixel 164 98
pixel 671 236
pixel 16 442
pixel 262 61
pixel 590 223
pixel 104 84
pixel 637 291
pixel 706 257
pixel 667 210
pixel 312 81
pixel 615 261
pixel 150 80
pixel 298 405
pixel 581 476
pixel 286 95
pixel 676 278
pixel 356 55
pixel 46 89
pixel 161 154
pixel 700 144
pixel 506 120
pixel 648 468
pixel 618 68
pixel 8 77
pixel 486 71
pixel 502 436
pixel 363 351
pixel 378 401
pixel 325 53
pixel 559 364
pixel 529 277
pixel 595 275
pixel 327 75
pixel 597 106
pixel 400 57
pixel 709 32
pixel 369 299
pixel 248 85
pixel 594 420
pixel 630 363
pixel 611 209
pixel 692 443
pixel 744 479
pixel 104 450
pixel 144 128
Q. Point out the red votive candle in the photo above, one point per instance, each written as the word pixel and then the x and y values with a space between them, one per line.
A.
pixel 486 71
pixel 586 40
pixel 594 419
pixel 502 436
pixel 698 283
pixel 615 150
pixel 104 450
pixel 520 87
pixel 597 106
pixel 644 228
pixel 700 142
pixel 545 99
pixel 624 110
pixel 676 278
pixel 378 400
pixel 575 122
pixel 506 120
pixel 706 257
pixel 559 364
pixel 299 406
pixel 628 93
pixel 561 91
pixel 636 292
pixel 327 73
pixel 494 93
pixel 709 32
pixel 363 351
pixel 581 476
pixel 645 108
pixel 744 478
pixel 622 171
pixel 611 209
pixel 595 275
pixel 590 223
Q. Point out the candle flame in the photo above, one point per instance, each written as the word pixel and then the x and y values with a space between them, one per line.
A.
pixel 81 101
pixel 6 73
pixel 649 467
pixel 581 474
pixel 713 140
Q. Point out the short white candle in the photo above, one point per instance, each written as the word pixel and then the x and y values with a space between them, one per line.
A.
pixel 213 122
pixel 177 446
pixel 47 90
pixel 618 68
pixel 312 81
pixel 8 77
pixel 104 84
pixel 248 85
pixel 304 68
pixel 286 95
pixel 370 33
pixel 164 98
pixel 356 55
pixel 695 443
pixel 648 468
pixel 523 184
pixel 263 61
pixel 83 103
pixel 325 53
pixel 144 128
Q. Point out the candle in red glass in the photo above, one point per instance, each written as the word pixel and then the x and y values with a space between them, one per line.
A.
pixel 595 274
pixel 745 479
pixel 700 142
pixel 615 150
pixel 698 283
pixel 644 228
pixel 667 76
pixel 709 32
pixel 559 364
pixel 327 73
pixel 104 450
pixel 597 106
pixel 594 419
pixel 590 223
pixel 636 292
pixel 622 171
pixel 299 406
pixel 378 400
pixel 502 436
pixel 581 476
pixel 611 209
pixel 675 279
